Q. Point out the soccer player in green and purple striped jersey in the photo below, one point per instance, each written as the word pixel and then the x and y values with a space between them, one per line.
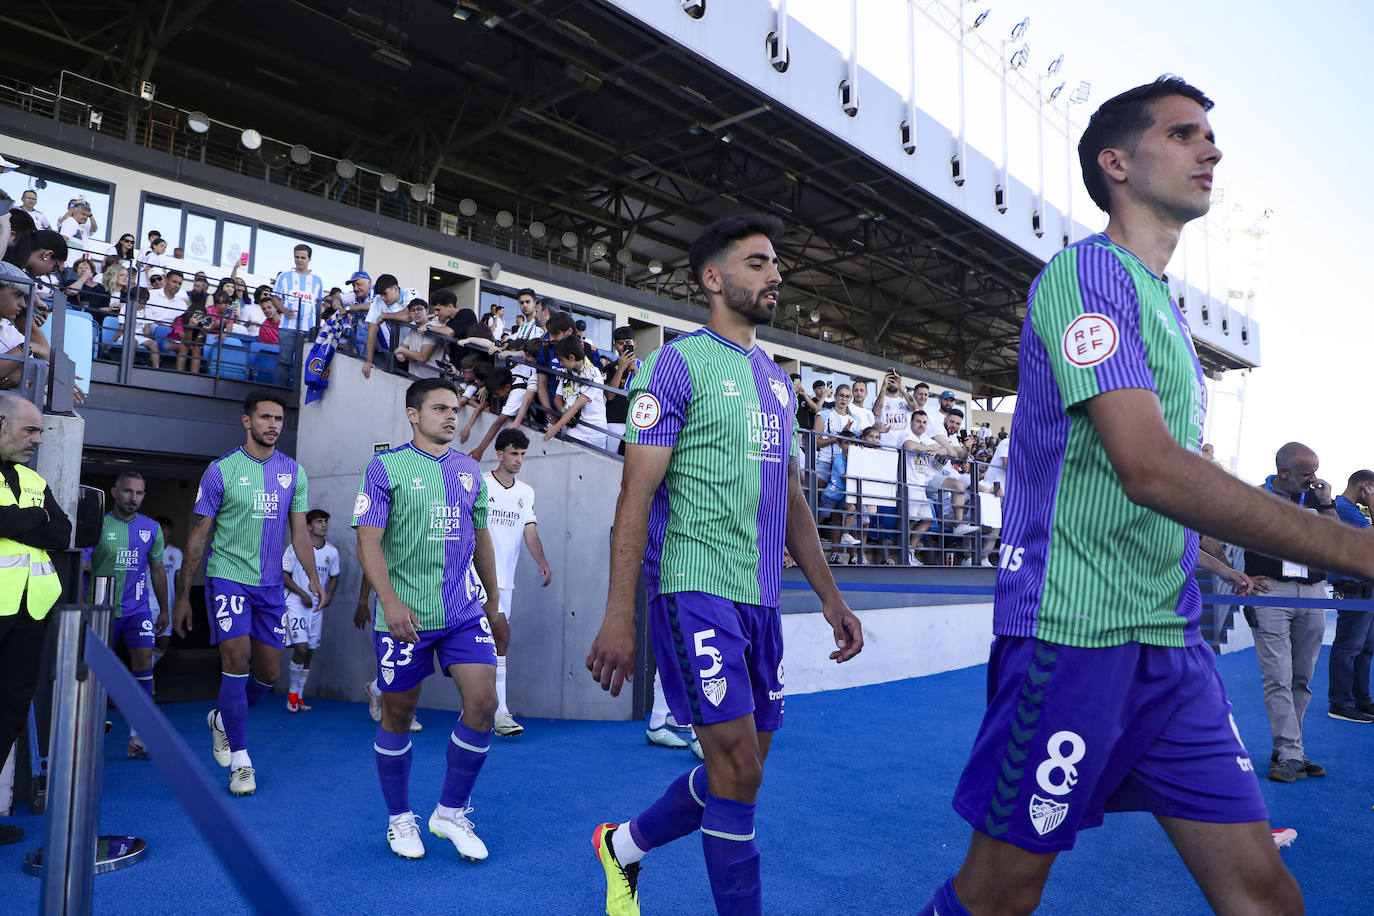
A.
pixel 1102 695
pixel 247 504
pixel 710 494
pixel 421 516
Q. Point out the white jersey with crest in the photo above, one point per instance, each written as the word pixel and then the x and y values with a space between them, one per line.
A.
pixel 509 510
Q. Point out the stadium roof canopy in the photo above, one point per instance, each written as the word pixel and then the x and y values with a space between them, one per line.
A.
pixel 567 112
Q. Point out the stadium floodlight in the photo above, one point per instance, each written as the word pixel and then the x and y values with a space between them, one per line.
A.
pixel 815 316
pixel 419 192
pixel 505 219
pixel 624 258
pixel 1055 65
pixel 655 267
pixel 389 183
pixel 300 154
pixel 980 19
pixel 468 207
pixel 598 249
pixel 250 139
pixel 1018 31
pixel 345 168
pixel 1081 94
pixel 538 230
pixel 198 121
pixel 1054 93
pixel 569 239
pixel 1021 57
pixel 462 12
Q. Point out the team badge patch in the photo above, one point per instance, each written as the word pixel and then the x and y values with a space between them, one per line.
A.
pixel 144 535
pixel 466 480
pixel 1090 339
pixel 361 504
pixel 225 623
pixel 714 688
pixel 645 411
pixel 284 479
pixel 388 675
pixel 780 390
pixel 1046 814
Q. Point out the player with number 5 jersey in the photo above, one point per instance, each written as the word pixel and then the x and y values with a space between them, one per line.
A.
pixel 250 503
pixel 421 520
pixel 709 497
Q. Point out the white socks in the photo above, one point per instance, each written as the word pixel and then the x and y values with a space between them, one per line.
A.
pixel 299 675
pixel 501 685
pixel 623 845
pixel 239 759
pixel 659 714
pixel 372 688
pixel 443 811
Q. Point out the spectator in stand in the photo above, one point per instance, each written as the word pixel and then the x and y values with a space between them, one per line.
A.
pixel 920 449
pixel 166 299
pixel 892 407
pixel 297 291
pixel 592 353
pixel 269 332
pixel 200 284
pixel 37 252
pixel 529 326
pixel 1353 648
pixel 123 248
pixel 417 349
pixel 388 308
pixel 14 322
pixel 560 326
pixel 496 321
pixel 946 406
pixel 452 322
pixel 29 201
pixel 618 374
pixel 87 292
pixel 946 477
pixel 358 300
pixel 921 400
pixel 153 258
pixel 188 332
pixel 116 283
pixel 586 402
pixel 78 223
pixel 178 254
pixel 143 330
pixel 831 425
pixel 832 506
pixel 518 397
pixel 807 406
pixel 858 405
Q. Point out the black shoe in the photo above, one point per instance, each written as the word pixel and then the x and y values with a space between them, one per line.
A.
pixel 1349 714
pixel 10 834
pixel 1365 707
pixel 1288 771
pixel 1315 770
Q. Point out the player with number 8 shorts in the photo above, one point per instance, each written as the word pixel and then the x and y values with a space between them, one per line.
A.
pixel 421 520
pixel 1102 693
pixel 709 496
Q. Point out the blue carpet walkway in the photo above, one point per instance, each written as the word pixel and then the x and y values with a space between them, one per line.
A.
pixel 854 815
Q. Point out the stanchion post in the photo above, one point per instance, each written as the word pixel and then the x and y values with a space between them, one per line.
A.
pixel 73 774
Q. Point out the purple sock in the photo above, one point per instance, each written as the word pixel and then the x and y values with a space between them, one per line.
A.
pixel 676 814
pixel 946 903
pixel 233 709
pixel 393 769
pixel 732 858
pixel 144 676
pixel 257 690
pixel 467 751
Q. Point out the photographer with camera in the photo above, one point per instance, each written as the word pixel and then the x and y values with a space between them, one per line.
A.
pixel 618 375
pixel 1288 639
pixel 1353 648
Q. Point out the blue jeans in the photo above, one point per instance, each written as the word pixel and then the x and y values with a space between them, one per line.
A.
pixel 288 344
pixel 1351 653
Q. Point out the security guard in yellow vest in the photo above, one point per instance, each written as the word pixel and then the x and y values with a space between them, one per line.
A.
pixel 31 524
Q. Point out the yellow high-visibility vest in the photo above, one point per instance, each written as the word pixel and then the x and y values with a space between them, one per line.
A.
pixel 23 567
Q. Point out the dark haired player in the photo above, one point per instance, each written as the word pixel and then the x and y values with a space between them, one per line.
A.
pixel 421 516
pixel 1102 694
pixel 708 498
pixel 247 504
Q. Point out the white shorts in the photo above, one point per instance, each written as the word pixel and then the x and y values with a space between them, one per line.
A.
pixel 505 596
pixel 305 626
pixel 917 505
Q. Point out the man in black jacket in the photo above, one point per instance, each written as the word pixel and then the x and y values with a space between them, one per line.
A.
pixel 27 523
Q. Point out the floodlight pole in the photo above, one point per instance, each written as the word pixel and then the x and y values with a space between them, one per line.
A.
pixel 911 76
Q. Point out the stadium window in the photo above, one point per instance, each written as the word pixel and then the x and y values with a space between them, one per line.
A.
pixel 333 263
pixel 55 188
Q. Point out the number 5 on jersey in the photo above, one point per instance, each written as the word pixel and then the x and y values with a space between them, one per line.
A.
pixel 711 652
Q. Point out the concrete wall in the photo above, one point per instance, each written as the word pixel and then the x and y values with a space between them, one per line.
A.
pixel 552 627
pixel 58 459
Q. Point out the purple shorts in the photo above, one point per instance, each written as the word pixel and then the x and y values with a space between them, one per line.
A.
pixel 403 665
pixel 718 659
pixel 236 610
pixel 1072 733
pixel 134 628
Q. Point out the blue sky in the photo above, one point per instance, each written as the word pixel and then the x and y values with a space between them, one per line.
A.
pixel 1291 118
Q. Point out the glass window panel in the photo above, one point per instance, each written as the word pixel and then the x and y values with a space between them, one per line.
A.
pixel 57 188
pixel 334 265
pixel 165 218
pixel 238 238
pixel 200 238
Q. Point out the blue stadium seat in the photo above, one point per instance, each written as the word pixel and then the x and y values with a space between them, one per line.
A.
pixel 109 327
pixel 235 359
pixel 78 342
pixel 264 361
